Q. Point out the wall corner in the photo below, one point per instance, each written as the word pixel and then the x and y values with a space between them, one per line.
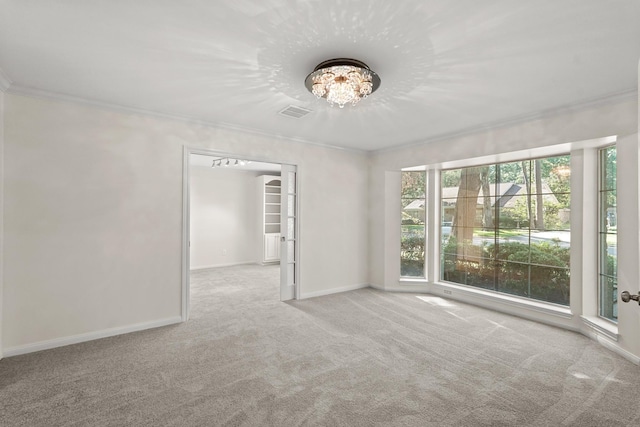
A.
pixel 2 112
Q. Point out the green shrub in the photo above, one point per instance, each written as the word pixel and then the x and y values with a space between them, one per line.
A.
pixel 539 270
pixel 412 253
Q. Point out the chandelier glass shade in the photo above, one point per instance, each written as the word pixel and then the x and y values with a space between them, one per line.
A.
pixel 342 81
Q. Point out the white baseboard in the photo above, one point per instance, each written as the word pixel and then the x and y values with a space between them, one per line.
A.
pixel 305 295
pixel 611 345
pixel 420 289
pixel 504 305
pixel 89 336
pixel 231 264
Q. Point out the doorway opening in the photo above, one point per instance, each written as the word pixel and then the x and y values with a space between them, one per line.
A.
pixel 239 211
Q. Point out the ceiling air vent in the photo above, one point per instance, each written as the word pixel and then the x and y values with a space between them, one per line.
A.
pixel 295 112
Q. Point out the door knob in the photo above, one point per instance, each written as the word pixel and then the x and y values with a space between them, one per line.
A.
pixel 626 297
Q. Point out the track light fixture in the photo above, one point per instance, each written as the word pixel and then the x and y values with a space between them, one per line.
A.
pixel 226 162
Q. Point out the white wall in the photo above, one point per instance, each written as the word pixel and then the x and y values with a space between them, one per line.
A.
pixel 224 217
pixel 93 218
pixel 1 212
pixel 93 210
pixel 617 117
pixel 628 239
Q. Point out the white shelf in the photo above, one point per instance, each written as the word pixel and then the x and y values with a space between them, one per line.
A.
pixel 269 190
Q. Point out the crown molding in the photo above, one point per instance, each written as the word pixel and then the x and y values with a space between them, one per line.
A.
pixel 627 95
pixel 38 93
pixel 5 81
pixel 7 85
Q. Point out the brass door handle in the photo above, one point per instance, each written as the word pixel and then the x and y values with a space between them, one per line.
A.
pixel 626 297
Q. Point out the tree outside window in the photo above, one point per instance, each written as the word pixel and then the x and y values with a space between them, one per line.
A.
pixel 505 227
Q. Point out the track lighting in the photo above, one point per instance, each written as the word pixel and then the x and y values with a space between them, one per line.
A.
pixel 226 162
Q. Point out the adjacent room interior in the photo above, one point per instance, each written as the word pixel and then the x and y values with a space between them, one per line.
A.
pixel 234 217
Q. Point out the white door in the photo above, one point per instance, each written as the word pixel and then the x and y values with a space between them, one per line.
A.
pixel 288 233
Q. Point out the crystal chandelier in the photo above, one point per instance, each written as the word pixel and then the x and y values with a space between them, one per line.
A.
pixel 342 81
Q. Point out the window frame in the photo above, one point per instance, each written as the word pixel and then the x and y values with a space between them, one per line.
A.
pixel 582 311
pixel 601 171
pixel 425 236
pixel 498 294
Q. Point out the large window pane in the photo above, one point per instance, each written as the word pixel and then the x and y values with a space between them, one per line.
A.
pixel 413 235
pixel 513 278
pixel 608 236
pixel 506 228
pixel 550 284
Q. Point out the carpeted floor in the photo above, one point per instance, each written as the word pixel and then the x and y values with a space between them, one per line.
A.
pixel 361 358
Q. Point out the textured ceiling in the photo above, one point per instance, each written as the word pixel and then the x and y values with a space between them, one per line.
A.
pixel 447 66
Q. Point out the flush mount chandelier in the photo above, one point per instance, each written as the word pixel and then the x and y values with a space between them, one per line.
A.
pixel 342 81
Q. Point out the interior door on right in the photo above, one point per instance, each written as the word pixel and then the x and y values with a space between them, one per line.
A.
pixel 288 233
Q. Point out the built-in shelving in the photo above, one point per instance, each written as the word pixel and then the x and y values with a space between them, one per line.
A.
pixel 269 189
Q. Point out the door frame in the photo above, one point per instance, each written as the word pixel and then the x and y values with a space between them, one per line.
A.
pixel 186 220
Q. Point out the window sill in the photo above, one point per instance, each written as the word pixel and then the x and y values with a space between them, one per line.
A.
pixel 449 289
pixel 413 281
pixel 601 326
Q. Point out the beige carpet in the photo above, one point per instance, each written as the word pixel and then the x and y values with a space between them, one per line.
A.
pixel 361 358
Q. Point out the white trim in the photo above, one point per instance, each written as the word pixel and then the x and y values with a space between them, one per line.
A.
pixel 287 292
pixel 89 336
pixel 630 94
pixel 225 154
pixel 334 291
pixel 627 95
pixel 297 290
pixel 5 81
pixel 406 288
pixel 613 346
pixel 405 280
pixel 2 96
pixel 186 235
pixel 565 148
pixel 38 93
pixel 497 299
pixel 595 332
pixel 601 327
pixel 434 222
pixel 230 264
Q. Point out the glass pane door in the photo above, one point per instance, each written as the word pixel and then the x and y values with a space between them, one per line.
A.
pixel 288 237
